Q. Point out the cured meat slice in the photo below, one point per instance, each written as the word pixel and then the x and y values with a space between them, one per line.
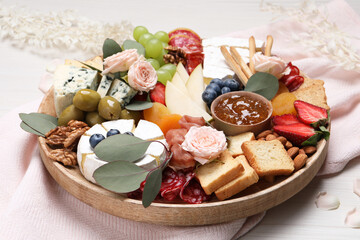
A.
pixel 175 136
pixel 188 121
pixel 192 191
pixel 181 158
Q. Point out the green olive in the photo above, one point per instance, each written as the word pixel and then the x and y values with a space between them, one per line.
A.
pixel 109 108
pixel 93 118
pixel 70 113
pixel 86 100
pixel 127 114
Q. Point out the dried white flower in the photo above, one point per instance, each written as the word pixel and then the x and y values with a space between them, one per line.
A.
pixel 323 36
pixel 58 30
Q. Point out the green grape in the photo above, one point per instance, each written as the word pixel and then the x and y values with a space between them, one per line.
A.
pixel 154 63
pixel 145 37
pixel 163 76
pixel 160 58
pixel 164 45
pixel 162 36
pixel 153 48
pixel 171 68
pixel 138 31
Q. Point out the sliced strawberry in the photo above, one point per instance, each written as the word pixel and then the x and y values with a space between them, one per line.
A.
pixel 298 133
pixel 158 93
pixel 292 82
pixel 285 119
pixel 311 114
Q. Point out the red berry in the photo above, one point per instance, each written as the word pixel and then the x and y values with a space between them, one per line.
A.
pixel 285 119
pixel 296 133
pixel 158 93
pixel 311 114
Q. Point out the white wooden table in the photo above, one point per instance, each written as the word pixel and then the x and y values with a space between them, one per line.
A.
pixel 297 218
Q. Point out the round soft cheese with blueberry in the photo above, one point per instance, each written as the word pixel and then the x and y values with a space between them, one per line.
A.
pixel 88 162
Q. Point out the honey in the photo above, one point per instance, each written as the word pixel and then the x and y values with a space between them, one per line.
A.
pixel 241 110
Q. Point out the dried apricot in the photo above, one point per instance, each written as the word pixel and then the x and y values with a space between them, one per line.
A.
pixel 156 112
pixel 168 122
pixel 284 104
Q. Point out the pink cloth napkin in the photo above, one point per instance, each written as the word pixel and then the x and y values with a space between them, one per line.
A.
pixel 34 206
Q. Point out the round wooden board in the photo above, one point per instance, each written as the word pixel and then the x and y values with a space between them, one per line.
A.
pixel 214 212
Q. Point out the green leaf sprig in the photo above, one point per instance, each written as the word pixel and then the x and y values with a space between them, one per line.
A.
pixel 264 84
pixel 319 134
pixel 121 174
pixel 110 47
pixel 37 123
pixel 131 44
pixel 139 105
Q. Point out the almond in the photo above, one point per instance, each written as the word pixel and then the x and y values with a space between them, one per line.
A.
pixel 275 134
pixel 293 152
pixel 309 150
pixel 300 161
pixel 270 137
pixel 264 134
pixel 261 139
pixel 288 145
pixel 301 151
pixel 282 139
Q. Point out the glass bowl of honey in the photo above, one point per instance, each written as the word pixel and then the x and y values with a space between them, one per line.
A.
pixel 241 111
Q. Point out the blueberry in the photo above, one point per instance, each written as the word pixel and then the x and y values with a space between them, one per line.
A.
pixel 232 84
pixel 112 132
pixel 218 82
pixel 95 139
pixel 225 90
pixel 129 133
pixel 215 87
pixel 209 95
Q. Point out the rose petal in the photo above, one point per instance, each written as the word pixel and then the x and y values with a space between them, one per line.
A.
pixel 353 218
pixel 326 201
pixel 357 186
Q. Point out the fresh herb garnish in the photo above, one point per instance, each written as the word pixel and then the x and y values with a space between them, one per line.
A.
pixel 125 176
pixel 37 123
pixel 264 84
pixel 139 105
pixel 131 44
pixel 110 48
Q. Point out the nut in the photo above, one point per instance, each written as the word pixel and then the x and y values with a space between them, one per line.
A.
pixel 263 134
pixel 288 145
pixel 67 157
pixel 261 139
pixel 301 151
pixel 300 161
pixel 270 137
pixel 309 150
pixel 292 152
pixel 74 135
pixel 282 139
pixel 275 134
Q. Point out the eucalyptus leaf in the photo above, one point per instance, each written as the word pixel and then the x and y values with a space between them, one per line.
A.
pixel 110 48
pixel 152 187
pixel 121 147
pixel 37 122
pixel 264 84
pixel 28 129
pixel 46 116
pixel 120 176
pixel 139 105
pixel 131 44
pixel 91 67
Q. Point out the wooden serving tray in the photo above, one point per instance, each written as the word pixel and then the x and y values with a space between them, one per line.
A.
pixel 178 214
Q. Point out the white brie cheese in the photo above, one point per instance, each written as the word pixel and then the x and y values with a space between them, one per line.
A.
pixel 68 80
pixel 215 65
pixel 88 162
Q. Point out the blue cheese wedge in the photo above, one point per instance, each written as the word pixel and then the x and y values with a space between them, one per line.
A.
pixel 68 80
pixel 88 162
pixel 215 65
pixel 104 85
pixel 121 91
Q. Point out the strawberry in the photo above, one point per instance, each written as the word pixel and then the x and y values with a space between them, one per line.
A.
pixel 311 114
pixel 285 119
pixel 298 133
pixel 158 93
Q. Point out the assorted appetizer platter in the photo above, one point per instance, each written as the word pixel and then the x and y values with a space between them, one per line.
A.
pixel 170 128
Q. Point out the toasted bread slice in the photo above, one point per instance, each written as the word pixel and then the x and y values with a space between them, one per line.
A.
pixel 236 141
pixel 249 177
pixel 268 157
pixel 218 172
pixel 312 91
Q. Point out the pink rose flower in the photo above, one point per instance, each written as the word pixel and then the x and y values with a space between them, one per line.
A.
pixel 142 76
pixel 272 65
pixel 120 62
pixel 204 143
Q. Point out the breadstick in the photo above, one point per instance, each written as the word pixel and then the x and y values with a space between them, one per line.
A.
pixel 234 66
pixel 241 62
pixel 252 47
pixel 269 43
